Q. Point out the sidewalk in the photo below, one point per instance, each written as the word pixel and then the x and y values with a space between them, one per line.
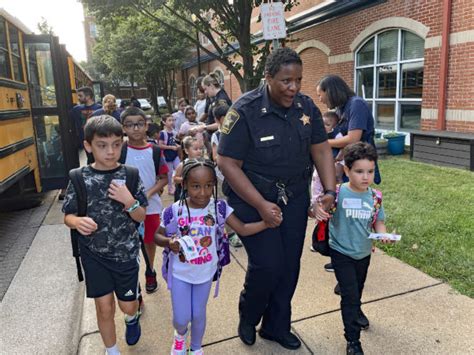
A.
pixel 44 310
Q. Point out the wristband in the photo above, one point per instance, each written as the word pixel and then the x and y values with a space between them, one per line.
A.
pixel 331 192
pixel 133 207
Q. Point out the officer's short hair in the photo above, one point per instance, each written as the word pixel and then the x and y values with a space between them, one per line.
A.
pixel 358 151
pixel 336 89
pixel 132 111
pixel 220 110
pixel 102 126
pixel 280 57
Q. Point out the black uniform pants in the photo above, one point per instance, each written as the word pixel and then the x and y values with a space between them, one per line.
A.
pixel 351 275
pixel 273 265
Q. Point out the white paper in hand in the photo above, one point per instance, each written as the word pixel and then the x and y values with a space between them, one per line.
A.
pixel 188 247
pixel 389 236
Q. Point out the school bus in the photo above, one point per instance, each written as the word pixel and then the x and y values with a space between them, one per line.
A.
pixel 38 82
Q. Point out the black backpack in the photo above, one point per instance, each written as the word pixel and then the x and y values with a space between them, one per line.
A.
pixel 79 185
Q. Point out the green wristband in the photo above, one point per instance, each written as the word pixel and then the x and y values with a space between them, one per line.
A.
pixel 133 207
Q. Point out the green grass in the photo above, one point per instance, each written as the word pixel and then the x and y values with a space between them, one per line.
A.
pixel 433 209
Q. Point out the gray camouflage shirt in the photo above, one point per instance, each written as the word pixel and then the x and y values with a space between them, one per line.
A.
pixel 116 237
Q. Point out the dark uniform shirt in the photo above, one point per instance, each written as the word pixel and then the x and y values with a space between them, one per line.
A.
pixel 271 141
pixel 220 98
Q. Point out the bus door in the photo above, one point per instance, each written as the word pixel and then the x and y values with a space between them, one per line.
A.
pixel 50 89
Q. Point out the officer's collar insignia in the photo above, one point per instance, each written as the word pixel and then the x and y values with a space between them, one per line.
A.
pixel 298 104
pixel 305 120
pixel 229 121
pixel 264 110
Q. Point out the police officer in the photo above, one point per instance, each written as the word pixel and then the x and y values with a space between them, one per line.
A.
pixel 270 139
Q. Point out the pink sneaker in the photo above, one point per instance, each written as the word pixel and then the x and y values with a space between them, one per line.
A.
pixel 179 344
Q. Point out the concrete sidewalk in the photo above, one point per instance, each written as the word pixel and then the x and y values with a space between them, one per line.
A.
pixel 45 312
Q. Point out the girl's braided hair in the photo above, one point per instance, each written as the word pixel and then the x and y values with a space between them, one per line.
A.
pixel 190 164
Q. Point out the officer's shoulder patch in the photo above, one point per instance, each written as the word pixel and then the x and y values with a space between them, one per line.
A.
pixel 230 120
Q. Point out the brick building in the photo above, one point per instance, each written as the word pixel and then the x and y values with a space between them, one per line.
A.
pixel 395 53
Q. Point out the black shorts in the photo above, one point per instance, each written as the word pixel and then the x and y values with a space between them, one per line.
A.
pixel 105 276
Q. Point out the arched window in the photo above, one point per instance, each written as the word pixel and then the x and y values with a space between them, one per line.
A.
pixel 193 88
pixel 220 76
pixel 389 75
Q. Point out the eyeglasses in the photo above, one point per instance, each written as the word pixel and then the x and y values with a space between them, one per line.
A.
pixel 130 125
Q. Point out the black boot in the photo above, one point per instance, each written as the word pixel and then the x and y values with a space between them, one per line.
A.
pixel 363 321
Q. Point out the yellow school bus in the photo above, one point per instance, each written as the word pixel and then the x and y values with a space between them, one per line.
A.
pixel 38 83
pixel 18 157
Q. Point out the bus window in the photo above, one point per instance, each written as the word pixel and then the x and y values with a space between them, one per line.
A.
pixel 4 58
pixel 16 58
pixel 40 72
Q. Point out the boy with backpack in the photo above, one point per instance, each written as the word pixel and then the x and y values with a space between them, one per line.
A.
pixel 359 210
pixel 147 158
pixel 107 228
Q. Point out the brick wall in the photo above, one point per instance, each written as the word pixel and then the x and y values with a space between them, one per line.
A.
pixel 338 35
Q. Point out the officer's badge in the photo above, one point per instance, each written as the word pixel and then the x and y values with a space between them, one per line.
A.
pixel 229 121
pixel 305 120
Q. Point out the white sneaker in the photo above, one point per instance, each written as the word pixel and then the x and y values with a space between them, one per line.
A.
pixel 196 352
pixel 179 344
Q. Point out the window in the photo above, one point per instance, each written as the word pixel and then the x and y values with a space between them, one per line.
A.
pixel 389 75
pixel 220 77
pixel 15 52
pixel 4 57
pixel 93 30
pixel 193 88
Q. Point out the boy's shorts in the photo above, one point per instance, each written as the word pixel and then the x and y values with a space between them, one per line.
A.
pixel 152 222
pixel 105 276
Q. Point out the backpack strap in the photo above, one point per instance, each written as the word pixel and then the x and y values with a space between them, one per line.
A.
pixel 123 153
pixel 156 158
pixel 79 185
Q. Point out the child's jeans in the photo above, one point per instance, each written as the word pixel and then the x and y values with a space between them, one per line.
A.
pixel 189 306
pixel 172 165
pixel 351 275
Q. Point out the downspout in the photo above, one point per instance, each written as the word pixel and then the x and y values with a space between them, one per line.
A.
pixel 443 68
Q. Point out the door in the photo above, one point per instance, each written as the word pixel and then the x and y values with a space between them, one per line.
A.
pixel 50 94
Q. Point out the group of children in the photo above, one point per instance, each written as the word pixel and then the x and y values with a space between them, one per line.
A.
pixel 191 230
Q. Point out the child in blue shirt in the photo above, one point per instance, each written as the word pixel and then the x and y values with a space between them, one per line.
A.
pixel 349 229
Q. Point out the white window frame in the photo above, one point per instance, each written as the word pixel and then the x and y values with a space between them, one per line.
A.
pixel 398 100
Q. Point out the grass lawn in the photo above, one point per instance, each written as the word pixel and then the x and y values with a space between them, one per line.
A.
pixel 433 209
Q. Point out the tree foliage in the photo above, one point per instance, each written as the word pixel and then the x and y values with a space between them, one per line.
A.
pixel 225 23
pixel 44 27
pixel 135 49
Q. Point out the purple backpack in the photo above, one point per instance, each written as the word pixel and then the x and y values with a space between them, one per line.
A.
pixel 222 242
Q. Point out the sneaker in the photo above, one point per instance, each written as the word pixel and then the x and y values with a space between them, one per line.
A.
pixel 363 321
pixel 235 241
pixel 133 330
pixel 328 267
pixel 354 348
pixel 337 289
pixel 179 344
pixel 151 283
pixel 196 352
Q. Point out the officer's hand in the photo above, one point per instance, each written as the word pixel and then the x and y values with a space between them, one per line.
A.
pixel 271 214
pixel 326 202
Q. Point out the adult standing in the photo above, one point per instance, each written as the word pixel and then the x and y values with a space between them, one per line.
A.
pixel 83 111
pixel 109 107
pixel 357 122
pixel 215 95
pixel 270 139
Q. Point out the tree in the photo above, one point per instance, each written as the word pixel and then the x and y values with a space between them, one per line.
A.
pixel 225 23
pixel 135 49
pixel 44 27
